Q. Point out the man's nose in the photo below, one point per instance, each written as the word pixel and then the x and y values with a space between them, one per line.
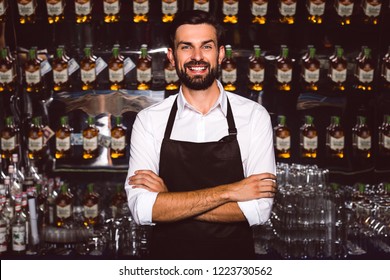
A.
pixel 197 54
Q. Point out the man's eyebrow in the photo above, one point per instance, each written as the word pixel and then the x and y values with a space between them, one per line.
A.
pixel 190 44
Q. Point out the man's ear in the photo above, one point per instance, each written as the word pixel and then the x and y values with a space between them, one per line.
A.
pixel 221 54
pixel 170 56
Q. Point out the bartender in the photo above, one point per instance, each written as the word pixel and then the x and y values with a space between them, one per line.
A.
pixel 202 165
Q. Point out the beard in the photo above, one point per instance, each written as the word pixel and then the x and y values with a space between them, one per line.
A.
pixel 197 82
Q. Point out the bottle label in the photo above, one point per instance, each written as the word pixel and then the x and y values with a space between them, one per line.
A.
pixel 312 76
pixel 259 9
pixel 63 144
pixel 364 143
pixel 116 76
pixel 284 76
pixel 371 10
pixel 336 144
pixel 365 76
pixel 90 144
pixel 230 9
pixel 64 212
pixel 386 142
pixel 7 76
pixel 169 8
pixel 202 7
pixel 111 8
pixel 338 76
pixel 118 143
pixel 288 10
pixel 170 76
pixel 55 9
pixel 344 10
pixel 256 76
pixel 387 74
pixel 229 76
pixel 3 238
pixel 60 76
pixel 144 76
pixel 26 9
pixel 19 238
pixel 283 144
pixel 88 76
pixel 83 9
pixel 310 143
pixel 91 212
pixel 141 8
pixel 35 144
pixel 316 9
pixel 33 77
pixel 8 144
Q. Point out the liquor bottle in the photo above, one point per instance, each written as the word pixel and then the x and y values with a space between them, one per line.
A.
pixel 26 11
pixel 230 11
pixel 50 204
pixel 335 138
pixel 41 201
pixel 3 10
pixel 361 138
pixel 371 10
pixel 144 69
pixel 91 202
pixel 83 10
pixel 9 138
pixel 169 9
pixel 364 71
pixel 111 9
pixel 88 70
pixel 282 138
pixel 33 236
pixel 4 226
pixel 36 141
pixel 385 70
pixel 15 185
pixel 55 10
pixel 171 78
pixel 287 11
pixel 256 70
pixel 17 169
pixel 259 11
pixel 308 138
pixel 384 137
pixel 316 10
pixel 32 71
pixel 141 11
pixel 118 139
pixel 64 207
pixel 117 202
pixel 283 71
pixel 311 71
pixel 229 70
pixel 63 139
pixel 7 71
pixel 116 72
pixel 18 229
pixel 202 5
pixel 60 71
pixel 90 139
pixel 337 71
pixel 344 10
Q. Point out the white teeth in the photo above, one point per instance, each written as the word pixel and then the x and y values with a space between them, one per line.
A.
pixel 197 68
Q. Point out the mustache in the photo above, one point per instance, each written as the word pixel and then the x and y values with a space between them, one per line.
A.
pixel 196 63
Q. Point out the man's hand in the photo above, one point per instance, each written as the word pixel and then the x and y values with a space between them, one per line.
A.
pixel 148 180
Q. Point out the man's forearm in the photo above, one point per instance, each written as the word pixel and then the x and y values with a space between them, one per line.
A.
pixel 227 213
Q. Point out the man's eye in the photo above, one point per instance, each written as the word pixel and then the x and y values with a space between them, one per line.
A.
pixel 185 47
pixel 207 47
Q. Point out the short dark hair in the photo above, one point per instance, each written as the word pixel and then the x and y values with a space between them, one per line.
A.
pixel 194 17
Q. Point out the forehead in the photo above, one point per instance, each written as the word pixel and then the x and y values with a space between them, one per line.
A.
pixel 194 33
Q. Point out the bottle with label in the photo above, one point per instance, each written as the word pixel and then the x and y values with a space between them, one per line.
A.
pixel 27 11
pixel 90 139
pixel 202 5
pixel 88 70
pixel 55 10
pixel 116 71
pixel 83 10
pixel 311 71
pixel 361 138
pixel 230 11
pixel 335 138
pixel 172 82
pixel 337 71
pixel 229 70
pixel 117 202
pixel 344 10
pixel 169 9
pixel 91 205
pixel 63 139
pixel 384 137
pixel 4 227
pixel 7 71
pixel 316 11
pixel 256 70
pixel 64 207
pixel 282 138
pixel 385 70
pixel 17 168
pixel 60 71
pixel 308 138
pixel 259 9
pixel 364 71
pixel 140 11
pixel 9 138
pixel 118 139
pixel 32 72
pixel 144 69
pixel 287 11
pixel 284 68
pixel 3 10
pixel 372 11
pixel 18 229
pixel 36 141
pixel 111 10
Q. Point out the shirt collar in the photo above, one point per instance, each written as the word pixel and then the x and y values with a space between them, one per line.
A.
pixel 221 103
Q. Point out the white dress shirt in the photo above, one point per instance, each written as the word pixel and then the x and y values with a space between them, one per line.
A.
pixel 254 134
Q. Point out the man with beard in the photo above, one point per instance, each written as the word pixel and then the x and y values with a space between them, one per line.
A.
pixel 202 164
